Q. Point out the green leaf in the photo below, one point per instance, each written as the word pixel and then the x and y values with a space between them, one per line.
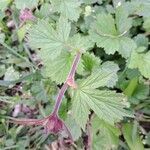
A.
pixel 141 7
pixel 134 142
pixel 51 41
pixel 123 23
pixel 104 76
pixel 105 136
pixel 11 74
pixel 73 127
pixel 131 87
pixel 39 92
pixel 112 39
pixel 22 31
pixel 141 40
pixel 80 109
pixel 141 92
pixel 4 3
pixel 146 24
pixel 107 105
pixel 140 61
pixel 92 1
pixel 21 4
pixel 68 8
pixel 58 68
pixel 45 11
pixel 82 43
pixel 2 37
pixel 90 62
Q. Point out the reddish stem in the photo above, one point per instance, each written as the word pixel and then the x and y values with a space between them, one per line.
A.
pixel 52 123
pixel 59 98
pixel 66 84
pixel 74 66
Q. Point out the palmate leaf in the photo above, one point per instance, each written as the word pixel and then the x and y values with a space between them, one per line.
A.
pixel 57 49
pixel 112 38
pixel 140 61
pixel 51 42
pixel 107 105
pixel 68 8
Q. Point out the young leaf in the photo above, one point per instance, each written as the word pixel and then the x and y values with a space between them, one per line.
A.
pixel 68 8
pixel 140 61
pixel 51 41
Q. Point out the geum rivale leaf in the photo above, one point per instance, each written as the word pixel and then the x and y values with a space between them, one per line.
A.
pixel 107 105
pixel 140 61
pixel 68 8
pixel 110 33
pixel 51 41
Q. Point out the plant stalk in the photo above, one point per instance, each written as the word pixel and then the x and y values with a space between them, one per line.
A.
pixel 65 86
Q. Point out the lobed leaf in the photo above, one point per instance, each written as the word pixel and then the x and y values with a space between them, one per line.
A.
pixel 51 42
pixel 140 61
pixel 107 105
pixel 110 36
pixel 68 8
pixel 22 4
pixel 105 76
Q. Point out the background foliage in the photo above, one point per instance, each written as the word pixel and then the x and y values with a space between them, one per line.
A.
pixel 114 72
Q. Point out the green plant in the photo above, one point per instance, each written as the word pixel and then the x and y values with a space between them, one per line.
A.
pixel 94 53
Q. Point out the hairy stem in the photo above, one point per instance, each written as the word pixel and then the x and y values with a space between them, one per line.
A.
pixel 59 98
pixel 74 65
pixel 65 86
